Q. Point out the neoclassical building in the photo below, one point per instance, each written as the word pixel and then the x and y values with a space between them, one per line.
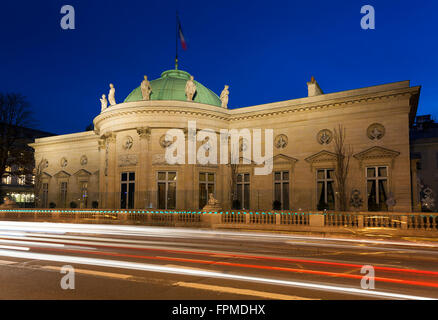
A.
pixel 121 164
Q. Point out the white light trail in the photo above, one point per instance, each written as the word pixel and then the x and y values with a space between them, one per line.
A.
pixel 209 274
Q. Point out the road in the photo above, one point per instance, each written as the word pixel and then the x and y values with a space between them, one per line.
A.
pixel 140 262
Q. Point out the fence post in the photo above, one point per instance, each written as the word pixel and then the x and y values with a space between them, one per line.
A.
pixel 316 220
pixel 404 222
pixel 277 218
pixel 360 221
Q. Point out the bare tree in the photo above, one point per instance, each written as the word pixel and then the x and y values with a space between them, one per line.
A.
pixel 14 115
pixel 343 155
pixel 39 170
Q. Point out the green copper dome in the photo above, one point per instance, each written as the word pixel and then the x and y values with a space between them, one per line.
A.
pixel 171 86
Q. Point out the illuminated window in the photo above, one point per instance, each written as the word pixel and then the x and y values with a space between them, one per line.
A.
pixel 281 188
pixel 84 193
pixel 243 194
pixel 22 180
pixel 7 179
pixel 377 188
pixel 127 190
pixel 324 185
pixel 206 186
pixel 166 182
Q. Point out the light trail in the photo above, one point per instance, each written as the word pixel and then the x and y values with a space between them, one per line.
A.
pixel 43 242
pixel 210 274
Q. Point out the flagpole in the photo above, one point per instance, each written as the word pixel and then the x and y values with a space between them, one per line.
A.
pixel 176 42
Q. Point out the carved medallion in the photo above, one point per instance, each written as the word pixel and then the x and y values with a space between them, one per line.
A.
pixel 63 162
pixel 324 137
pixel 376 131
pixel 128 142
pixel 356 199
pixel 280 141
pixel 84 160
pixel 164 143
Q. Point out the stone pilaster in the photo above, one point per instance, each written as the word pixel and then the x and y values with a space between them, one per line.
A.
pixel 143 165
pixel 110 169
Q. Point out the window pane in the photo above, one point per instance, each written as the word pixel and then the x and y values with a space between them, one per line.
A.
pixel 123 195
pixel 171 176
pixel 239 178
pixel 371 172
pixel 286 175
pixel 131 176
pixel 277 192
pixel 161 175
pixel 131 196
pixel 321 196
pixel 320 174
pixel 124 176
pixel 382 172
pixel 372 200
pixel 383 195
pixel 240 196
pixel 330 196
pixel 202 176
pixel 330 174
pixel 202 195
pixel 286 196
pixel 246 177
pixel 161 195
pixel 211 177
pixel 247 196
pixel 277 176
pixel 171 196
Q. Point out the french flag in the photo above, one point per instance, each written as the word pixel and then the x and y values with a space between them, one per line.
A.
pixel 181 37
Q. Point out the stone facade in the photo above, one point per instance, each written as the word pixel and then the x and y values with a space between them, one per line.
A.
pixel 128 138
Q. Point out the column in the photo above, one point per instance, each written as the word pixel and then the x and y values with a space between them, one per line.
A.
pixel 143 167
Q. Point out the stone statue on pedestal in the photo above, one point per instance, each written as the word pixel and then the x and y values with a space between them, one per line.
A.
pixel 104 103
pixel 224 97
pixel 146 89
pixel 111 95
pixel 212 204
pixel 190 89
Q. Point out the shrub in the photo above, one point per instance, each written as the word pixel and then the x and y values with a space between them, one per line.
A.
pixel 276 205
pixel 73 205
pixel 95 204
pixel 52 205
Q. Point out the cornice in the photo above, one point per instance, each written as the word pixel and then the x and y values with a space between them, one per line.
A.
pixel 248 113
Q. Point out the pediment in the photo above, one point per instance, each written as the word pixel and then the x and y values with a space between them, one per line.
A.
pixel 282 158
pixel 377 153
pixel 62 174
pixel 45 175
pixel 322 156
pixel 82 173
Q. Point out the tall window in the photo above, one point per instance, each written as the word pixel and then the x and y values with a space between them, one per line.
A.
pixel 127 190
pixel 45 194
pixel 166 190
pixel 377 188
pixel 84 193
pixel 21 179
pixel 325 193
pixel 206 186
pixel 281 189
pixel 63 194
pixel 243 194
pixel 7 179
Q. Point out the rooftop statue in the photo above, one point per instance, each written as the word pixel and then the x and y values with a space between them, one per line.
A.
pixel 104 103
pixel 146 89
pixel 111 95
pixel 190 89
pixel 224 97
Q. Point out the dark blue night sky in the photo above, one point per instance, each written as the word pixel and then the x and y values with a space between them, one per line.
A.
pixel 265 50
